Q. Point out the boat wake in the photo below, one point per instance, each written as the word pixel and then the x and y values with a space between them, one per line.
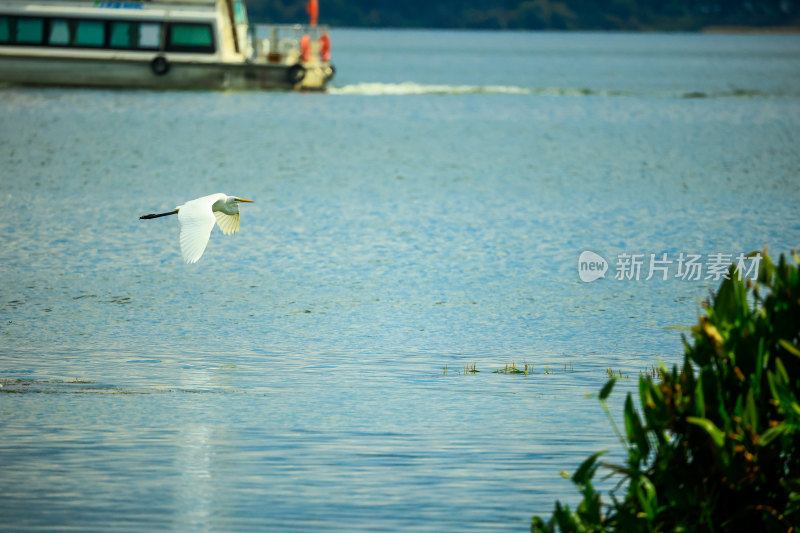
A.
pixel 421 88
pixel 411 88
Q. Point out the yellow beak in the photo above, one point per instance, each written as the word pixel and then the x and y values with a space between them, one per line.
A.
pixel 243 200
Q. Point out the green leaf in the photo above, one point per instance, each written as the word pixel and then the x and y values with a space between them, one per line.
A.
pixel 772 433
pixel 731 299
pixel 781 369
pixel 646 494
pixel 751 412
pixel 766 268
pixel 634 429
pixel 564 518
pixel 538 526
pixel 713 431
pixel 761 364
pixel 654 407
pixel 586 471
pixel 699 397
pixel 789 347
pixel 606 390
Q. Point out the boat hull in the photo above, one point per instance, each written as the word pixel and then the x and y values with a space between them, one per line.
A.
pixel 144 74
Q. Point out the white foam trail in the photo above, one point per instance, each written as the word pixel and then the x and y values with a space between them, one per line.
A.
pixel 418 88
pixel 411 88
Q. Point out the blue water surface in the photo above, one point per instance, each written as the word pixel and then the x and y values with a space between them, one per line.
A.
pixel 425 214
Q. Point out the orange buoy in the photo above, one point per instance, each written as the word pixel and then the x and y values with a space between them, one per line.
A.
pixel 325 46
pixel 313 11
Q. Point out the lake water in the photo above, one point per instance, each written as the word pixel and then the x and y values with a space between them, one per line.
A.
pixel 428 212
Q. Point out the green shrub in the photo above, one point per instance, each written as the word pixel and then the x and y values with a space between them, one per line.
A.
pixel 715 445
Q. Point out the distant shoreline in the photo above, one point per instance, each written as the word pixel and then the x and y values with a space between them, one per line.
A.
pixel 751 16
pixel 732 30
pixel 751 29
pixel 721 29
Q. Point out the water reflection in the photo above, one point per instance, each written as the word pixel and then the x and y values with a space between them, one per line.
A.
pixel 196 491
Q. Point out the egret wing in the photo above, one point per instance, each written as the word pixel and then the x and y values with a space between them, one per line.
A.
pixel 227 223
pixel 197 221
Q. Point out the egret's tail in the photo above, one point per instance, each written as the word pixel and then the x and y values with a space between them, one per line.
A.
pixel 156 215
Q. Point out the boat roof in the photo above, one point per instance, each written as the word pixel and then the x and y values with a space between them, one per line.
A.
pixel 120 8
pixel 110 3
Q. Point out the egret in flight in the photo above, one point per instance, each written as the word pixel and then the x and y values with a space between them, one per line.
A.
pixel 197 219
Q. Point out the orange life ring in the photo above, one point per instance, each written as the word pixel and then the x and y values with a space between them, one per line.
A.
pixel 305 48
pixel 325 47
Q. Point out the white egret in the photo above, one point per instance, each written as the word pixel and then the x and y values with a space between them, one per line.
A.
pixel 197 219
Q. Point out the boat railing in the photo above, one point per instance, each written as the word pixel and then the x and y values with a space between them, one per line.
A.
pixel 287 43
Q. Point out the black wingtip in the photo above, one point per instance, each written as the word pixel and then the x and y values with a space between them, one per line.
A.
pixel 157 215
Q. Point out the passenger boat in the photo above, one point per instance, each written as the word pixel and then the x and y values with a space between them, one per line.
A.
pixel 160 44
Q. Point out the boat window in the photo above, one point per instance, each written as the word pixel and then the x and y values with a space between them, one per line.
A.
pixel 190 38
pixel 59 32
pixel 5 30
pixel 150 35
pixel 29 30
pixel 94 33
pixel 90 33
pixel 124 35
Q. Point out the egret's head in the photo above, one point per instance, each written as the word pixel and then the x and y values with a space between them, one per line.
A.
pixel 233 203
pixel 230 205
